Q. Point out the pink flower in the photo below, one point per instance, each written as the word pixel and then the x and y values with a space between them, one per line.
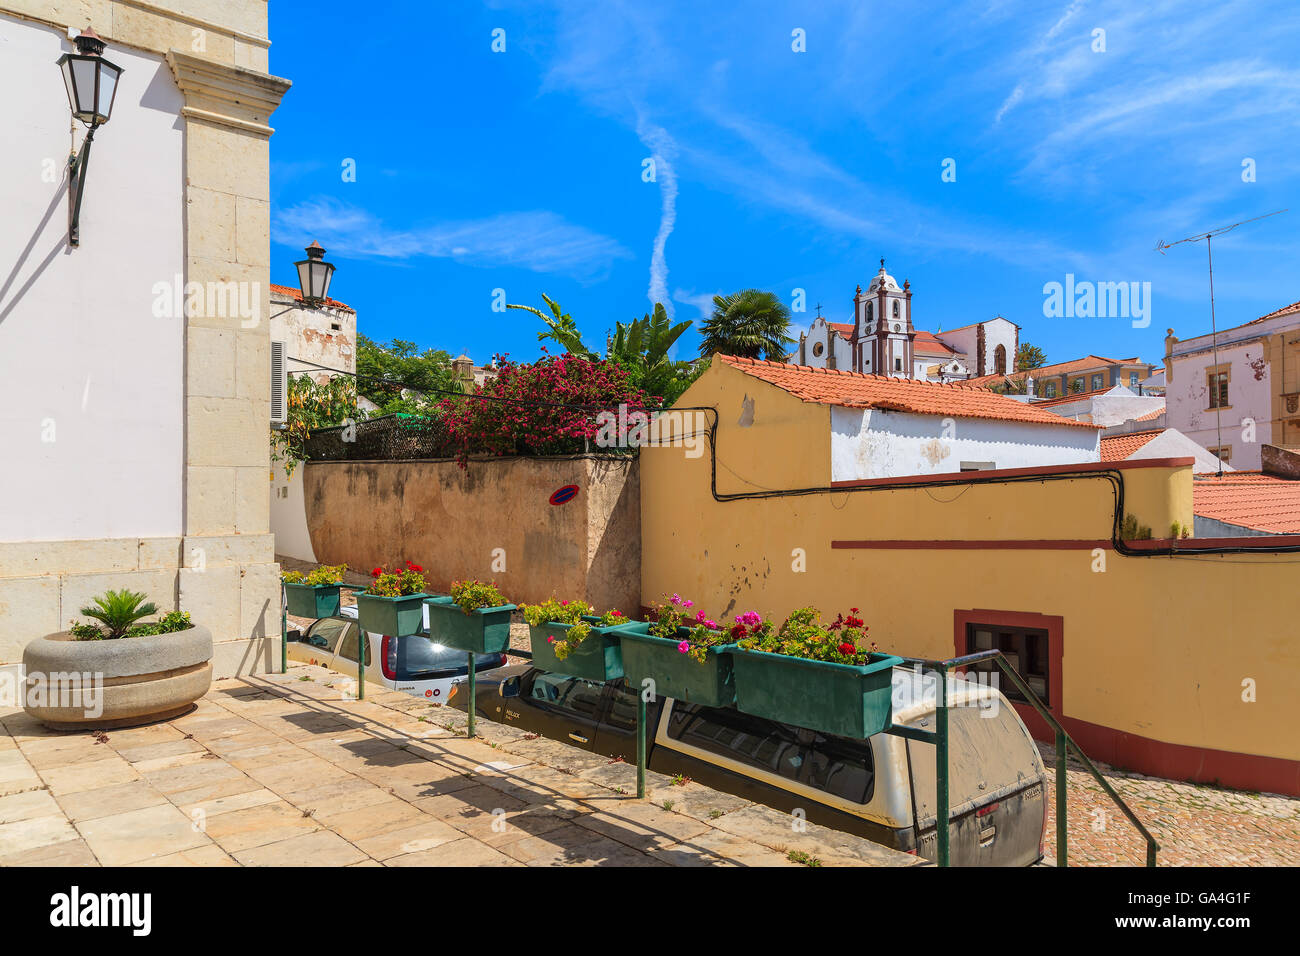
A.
pixel 684 646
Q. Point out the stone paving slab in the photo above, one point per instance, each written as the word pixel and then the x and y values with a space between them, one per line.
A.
pixel 279 771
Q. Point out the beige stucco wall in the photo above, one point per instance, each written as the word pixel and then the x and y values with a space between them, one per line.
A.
pixel 461 523
pixel 221 567
pixel 1164 648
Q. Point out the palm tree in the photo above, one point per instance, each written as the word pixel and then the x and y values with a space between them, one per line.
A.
pixel 119 610
pixel 560 327
pixel 749 323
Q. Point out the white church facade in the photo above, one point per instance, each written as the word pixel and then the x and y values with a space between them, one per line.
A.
pixel 882 340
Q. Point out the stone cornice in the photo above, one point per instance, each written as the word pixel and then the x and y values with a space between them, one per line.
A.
pixel 224 94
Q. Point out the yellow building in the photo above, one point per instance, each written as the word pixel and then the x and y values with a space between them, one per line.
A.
pixel 1174 664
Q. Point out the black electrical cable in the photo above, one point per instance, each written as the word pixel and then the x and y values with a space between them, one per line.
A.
pixel 1113 475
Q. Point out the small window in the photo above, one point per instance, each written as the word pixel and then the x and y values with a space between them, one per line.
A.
pixel 978 465
pixel 1218 386
pixel 749 740
pixel 843 768
pixel 325 633
pixel 1024 648
pixel 1049 390
pixel 1097 382
pixel 818 348
pixel 895 310
pixel 1076 386
pixel 1224 454
pixel 578 696
pixel 348 648
pixel 1132 379
pixel 870 311
pixel 335 326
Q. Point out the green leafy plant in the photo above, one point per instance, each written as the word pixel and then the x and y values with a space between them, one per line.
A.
pixel 116 611
pixel 312 404
pixel 799 856
pixel 749 323
pixel 470 595
pixel 118 614
pixel 397 582
pixel 1179 530
pixel 325 574
pixel 571 613
pixel 1132 530
pixel 668 617
pixel 803 635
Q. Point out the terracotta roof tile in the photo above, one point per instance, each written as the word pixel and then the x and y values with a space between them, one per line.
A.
pixel 293 293
pixel 845 329
pixel 858 390
pixel 1250 499
pixel 1087 363
pixel 1119 447
pixel 928 344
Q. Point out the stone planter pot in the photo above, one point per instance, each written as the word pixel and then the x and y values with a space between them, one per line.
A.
pixel 73 684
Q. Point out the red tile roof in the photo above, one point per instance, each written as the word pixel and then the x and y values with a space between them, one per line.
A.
pixel 928 344
pixel 1250 499
pixel 1085 364
pixel 293 293
pixel 858 390
pixel 845 330
pixel 1150 416
pixel 1119 447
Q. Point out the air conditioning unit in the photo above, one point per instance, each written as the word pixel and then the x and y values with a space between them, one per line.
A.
pixel 279 386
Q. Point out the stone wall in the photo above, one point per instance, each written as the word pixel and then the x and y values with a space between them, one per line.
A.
pixel 492 520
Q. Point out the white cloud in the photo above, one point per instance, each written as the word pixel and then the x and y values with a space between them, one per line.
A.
pixel 664 151
pixel 540 241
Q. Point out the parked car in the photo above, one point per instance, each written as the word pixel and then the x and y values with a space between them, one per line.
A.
pixel 882 789
pixel 414 665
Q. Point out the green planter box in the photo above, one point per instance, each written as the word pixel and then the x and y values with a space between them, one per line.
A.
pixel 306 600
pixel 844 699
pixel 392 616
pixel 485 630
pixel 675 674
pixel 599 657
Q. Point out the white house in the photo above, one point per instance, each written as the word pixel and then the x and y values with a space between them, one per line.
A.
pixel 885 427
pixel 1237 390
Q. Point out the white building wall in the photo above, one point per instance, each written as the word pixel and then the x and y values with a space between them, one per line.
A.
pixel 873 443
pixel 1187 401
pixel 289 514
pixel 310 335
pixel 92 382
pixel 821 332
pixel 1171 443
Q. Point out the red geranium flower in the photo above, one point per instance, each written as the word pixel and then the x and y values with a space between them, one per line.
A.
pixel 847 649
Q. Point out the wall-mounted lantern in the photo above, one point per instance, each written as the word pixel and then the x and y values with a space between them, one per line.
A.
pixel 91 82
pixel 314 275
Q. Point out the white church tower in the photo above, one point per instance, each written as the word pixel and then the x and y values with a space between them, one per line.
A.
pixel 883 335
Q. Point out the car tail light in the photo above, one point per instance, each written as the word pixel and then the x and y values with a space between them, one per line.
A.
pixel 383 659
pixel 983 811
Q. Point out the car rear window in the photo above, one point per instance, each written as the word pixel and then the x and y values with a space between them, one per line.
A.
pixel 325 633
pixel 845 768
pixel 752 741
pixel 418 657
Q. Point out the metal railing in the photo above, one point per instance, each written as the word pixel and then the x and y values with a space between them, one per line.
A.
pixel 1064 743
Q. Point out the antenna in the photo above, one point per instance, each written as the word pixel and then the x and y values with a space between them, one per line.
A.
pixel 1161 246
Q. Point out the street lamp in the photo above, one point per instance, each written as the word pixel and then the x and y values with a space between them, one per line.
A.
pixel 91 82
pixel 314 275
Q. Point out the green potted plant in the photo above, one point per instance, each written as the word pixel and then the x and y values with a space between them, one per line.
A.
pixel 474 618
pixel 687 657
pixel 116 669
pixel 393 605
pixel 814 675
pixel 567 637
pixel 315 594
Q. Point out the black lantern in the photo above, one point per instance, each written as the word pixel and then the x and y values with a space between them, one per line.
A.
pixel 91 82
pixel 314 275
pixel 90 79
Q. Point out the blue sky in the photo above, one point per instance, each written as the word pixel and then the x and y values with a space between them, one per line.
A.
pixel 783 170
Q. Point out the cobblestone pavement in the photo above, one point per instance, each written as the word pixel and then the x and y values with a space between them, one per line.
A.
pixel 1195 825
pixel 284 769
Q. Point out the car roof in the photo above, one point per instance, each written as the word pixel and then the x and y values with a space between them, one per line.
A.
pixel 915 693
